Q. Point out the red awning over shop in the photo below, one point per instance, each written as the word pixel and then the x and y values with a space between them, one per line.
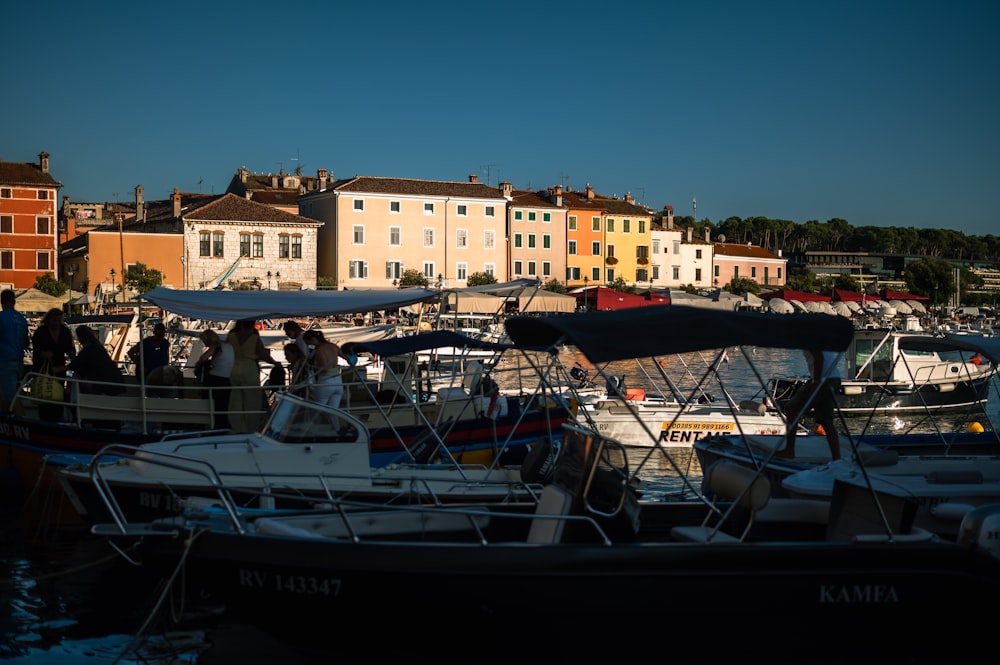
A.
pixel 801 296
pixel 602 298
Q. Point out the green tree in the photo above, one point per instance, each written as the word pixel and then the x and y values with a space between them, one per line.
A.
pixel 622 286
pixel 48 284
pixel 413 277
pixel 141 279
pixel 847 283
pixel 800 278
pixel 326 283
pixel 930 277
pixel 480 279
pixel 554 285
pixel 741 285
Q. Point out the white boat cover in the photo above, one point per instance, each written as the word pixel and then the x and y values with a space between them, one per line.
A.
pixel 235 305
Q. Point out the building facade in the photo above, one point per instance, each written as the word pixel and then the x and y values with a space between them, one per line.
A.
pixel 536 228
pixel 28 223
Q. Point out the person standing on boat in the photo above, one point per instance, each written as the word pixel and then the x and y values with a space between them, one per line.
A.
pixel 328 384
pixel 13 343
pixel 99 374
pixel 824 380
pixel 217 361
pixel 294 332
pixel 246 399
pixel 52 344
pixel 151 353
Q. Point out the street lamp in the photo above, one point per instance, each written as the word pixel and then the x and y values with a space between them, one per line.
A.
pixel 586 294
pixel 70 270
pixel 114 295
pixel 268 280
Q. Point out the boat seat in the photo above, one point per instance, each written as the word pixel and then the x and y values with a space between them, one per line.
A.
pixel 727 482
pixel 555 501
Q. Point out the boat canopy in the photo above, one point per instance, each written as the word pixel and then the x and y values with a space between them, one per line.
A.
pixel 989 347
pixel 235 305
pixel 667 329
pixel 423 342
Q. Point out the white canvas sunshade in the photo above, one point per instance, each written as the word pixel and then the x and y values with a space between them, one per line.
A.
pixel 780 306
pixel 901 307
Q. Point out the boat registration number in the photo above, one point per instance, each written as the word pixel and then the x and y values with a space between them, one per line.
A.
pixel 692 431
pixel 306 585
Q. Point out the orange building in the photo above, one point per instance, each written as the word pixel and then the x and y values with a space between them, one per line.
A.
pixel 28 220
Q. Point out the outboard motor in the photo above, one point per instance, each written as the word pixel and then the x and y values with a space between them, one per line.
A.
pixel 616 386
pixel 981 527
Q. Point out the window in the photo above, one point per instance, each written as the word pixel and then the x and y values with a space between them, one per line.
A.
pixel 518 215
pixel 518 240
pixel 546 217
pixel 395 236
pixel 6 223
pixel 5 193
pixel 531 268
pixel 547 241
pixel 359 205
pixel 697 275
pixel 394 207
pixel 489 239
pixel 283 245
pixel 461 238
pixel 359 234
pixel 531 216
pixel 572 274
pixel 595 249
pixel 531 240
pixel 428 208
pixel 204 243
pixel 611 275
pixel 517 267
pixel 572 246
pixel 462 270
pixel 571 223
pixel 779 274
pixel 656 246
pixel 595 225
pixel 677 247
pixel 766 270
pixel 595 274
pixel 7 260
pixel 642 252
pixel 736 272
pixel 546 268
pixel 716 271
pixel 610 225
pixel 393 269
pixel 463 210
pixel 490 268
pixel 244 244
pixel 218 244
pixel 642 226
pixel 42 261
pixel 258 244
pixel 641 275
pixel 358 269
pixel 43 226
pixel 611 250
pixel 676 271
pixel 626 226
pixel 428 237
pixel 490 211
pixel 296 247
pixel 429 269
pixel 43 195
pixel 753 272
pixel 697 253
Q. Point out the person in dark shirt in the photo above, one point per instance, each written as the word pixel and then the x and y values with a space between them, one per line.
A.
pixel 52 343
pixel 152 352
pixel 93 365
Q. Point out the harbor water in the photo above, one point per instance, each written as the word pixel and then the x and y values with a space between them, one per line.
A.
pixel 67 597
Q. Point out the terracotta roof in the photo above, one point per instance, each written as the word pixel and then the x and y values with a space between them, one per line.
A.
pixel 743 251
pixel 21 173
pixel 532 199
pixel 417 187
pixel 282 197
pixel 232 208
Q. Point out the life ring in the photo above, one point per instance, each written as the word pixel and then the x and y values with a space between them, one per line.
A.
pixel 258 325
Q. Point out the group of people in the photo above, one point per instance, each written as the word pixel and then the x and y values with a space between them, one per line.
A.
pixel 232 365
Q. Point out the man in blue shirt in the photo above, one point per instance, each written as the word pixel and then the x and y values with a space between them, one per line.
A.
pixel 151 353
pixel 13 343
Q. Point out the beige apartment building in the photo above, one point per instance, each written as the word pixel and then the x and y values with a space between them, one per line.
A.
pixel 376 228
pixel 536 223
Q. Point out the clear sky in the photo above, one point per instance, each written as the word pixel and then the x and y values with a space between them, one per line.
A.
pixel 883 113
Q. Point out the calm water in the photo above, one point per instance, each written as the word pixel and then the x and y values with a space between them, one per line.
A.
pixel 67 597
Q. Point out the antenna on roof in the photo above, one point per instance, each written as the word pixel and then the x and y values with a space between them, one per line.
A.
pixel 200 181
pixel 299 164
pixel 487 168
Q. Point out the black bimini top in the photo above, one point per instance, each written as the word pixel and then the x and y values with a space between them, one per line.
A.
pixel 424 341
pixel 642 332
pixel 988 347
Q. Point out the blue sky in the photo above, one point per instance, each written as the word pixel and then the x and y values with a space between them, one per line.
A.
pixel 883 113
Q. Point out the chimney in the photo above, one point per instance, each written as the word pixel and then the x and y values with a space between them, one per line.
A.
pixel 506 189
pixel 177 202
pixel 321 176
pixel 690 231
pixel 473 178
pixel 558 196
pixel 244 174
pixel 43 161
pixel 708 234
pixel 140 210
pixel 274 182
pixel 590 193
pixel 670 218
pixel 628 197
